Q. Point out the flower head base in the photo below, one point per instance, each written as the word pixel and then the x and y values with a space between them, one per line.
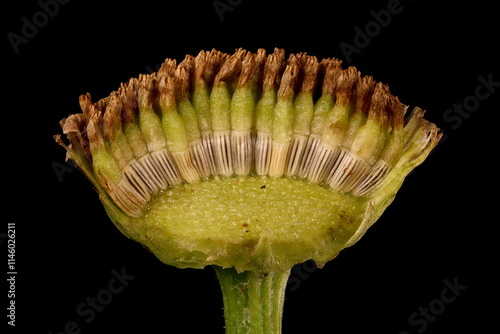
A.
pixel 247 160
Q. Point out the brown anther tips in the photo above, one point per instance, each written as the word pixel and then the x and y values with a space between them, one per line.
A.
pixel 273 66
pixel 112 117
pixel 330 70
pixel 396 111
pixel 73 124
pixel 168 67
pixel 290 76
pixel 364 91
pixel 200 62
pixel 346 88
pixel 128 98
pixel 209 64
pixel 310 68
pixel 260 61
pixel 183 75
pixel 85 102
pixel 247 69
pixel 94 134
pixel 260 57
pixel 102 103
pixel 378 101
pixel 230 68
pixel 146 92
pixel 166 88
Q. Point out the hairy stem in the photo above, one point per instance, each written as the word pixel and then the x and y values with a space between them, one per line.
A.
pixel 253 302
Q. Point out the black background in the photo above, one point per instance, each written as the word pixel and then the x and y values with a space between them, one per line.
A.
pixel 440 227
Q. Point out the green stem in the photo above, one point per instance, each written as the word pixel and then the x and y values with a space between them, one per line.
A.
pixel 253 302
